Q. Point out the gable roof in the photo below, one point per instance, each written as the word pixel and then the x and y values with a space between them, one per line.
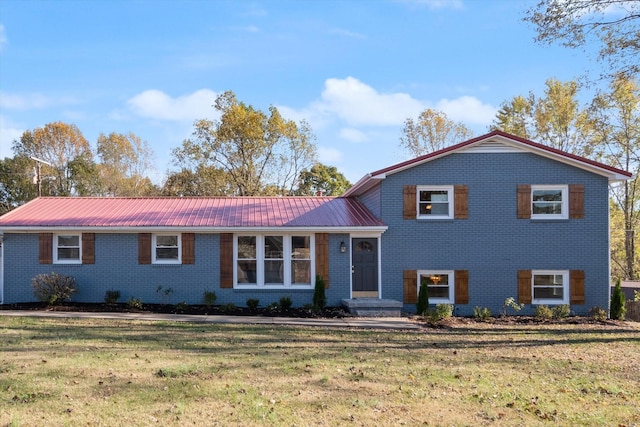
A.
pixel 492 142
pixel 191 213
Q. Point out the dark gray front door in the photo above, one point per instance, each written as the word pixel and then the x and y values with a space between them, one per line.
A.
pixel 365 267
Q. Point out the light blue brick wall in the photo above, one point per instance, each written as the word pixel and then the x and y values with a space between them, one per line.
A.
pixel 116 267
pixel 492 244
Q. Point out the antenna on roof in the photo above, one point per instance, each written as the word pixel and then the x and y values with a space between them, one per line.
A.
pixel 38 174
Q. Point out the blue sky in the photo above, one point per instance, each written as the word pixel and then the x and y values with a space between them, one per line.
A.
pixel 354 69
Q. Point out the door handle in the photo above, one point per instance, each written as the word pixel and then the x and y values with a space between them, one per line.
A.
pixel 353 269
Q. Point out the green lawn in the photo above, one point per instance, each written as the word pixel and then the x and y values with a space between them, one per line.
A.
pixel 106 372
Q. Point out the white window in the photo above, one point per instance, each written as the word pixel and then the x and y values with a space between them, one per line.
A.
pixel 435 202
pixel 166 249
pixel 67 249
pixel 549 201
pixel 550 287
pixel 440 285
pixel 273 261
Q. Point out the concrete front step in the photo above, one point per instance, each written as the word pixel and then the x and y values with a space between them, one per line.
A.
pixel 373 307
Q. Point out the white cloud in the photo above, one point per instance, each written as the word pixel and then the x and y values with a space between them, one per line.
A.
pixel 467 109
pixel 327 155
pixel 155 104
pixel 31 101
pixel 360 104
pixel 353 135
pixel 9 132
pixel 3 38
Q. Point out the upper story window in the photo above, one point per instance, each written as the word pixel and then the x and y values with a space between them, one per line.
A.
pixel 273 260
pixel 440 285
pixel 549 202
pixel 550 286
pixel 435 202
pixel 166 249
pixel 67 249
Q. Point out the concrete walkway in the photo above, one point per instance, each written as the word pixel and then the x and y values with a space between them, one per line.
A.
pixel 398 323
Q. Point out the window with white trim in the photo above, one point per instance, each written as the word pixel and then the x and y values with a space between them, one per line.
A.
pixel 549 201
pixel 440 285
pixel 67 249
pixel 273 261
pixel 434 202
pixel 550 287
pixel 166 249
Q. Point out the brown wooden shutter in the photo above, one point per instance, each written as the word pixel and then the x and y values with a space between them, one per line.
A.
pixel 524 286
pixel 322 257
pixel 460 202
pixel 576 287
pixel 188 248
pixel 576 201
pixel 461 286
pixel 88 248
pixel 524 201
pixel 409 202
pixel 226 260
pixel 410 280
pixel 46 248
pixel 144 248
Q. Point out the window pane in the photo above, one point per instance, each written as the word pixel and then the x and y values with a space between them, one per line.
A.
pixel 434 196
pixel 301 247
pixel 300 271
pixel 247 272
pixel 547 208
pixel 547 195
pixel 166 253
pixel 434 208
pixel 68 253
pixel 274 272
pixel 247 247
pixel 68 240
pixel 273 247
pixel 548 293
pixel 547 280
pixel 434 202
pixel 167 241
pixel 438 292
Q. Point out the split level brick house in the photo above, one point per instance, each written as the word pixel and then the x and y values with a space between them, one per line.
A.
pixel 493 217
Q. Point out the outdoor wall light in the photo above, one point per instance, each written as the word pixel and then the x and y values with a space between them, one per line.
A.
pixel 343 248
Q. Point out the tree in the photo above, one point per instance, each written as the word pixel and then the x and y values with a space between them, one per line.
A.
pixel 618 307
pixel 554 119
pixel 59 144
pixel 124 162
pixel 204 181
pixel 432 131
pixel 255 150
pixel 16 182
pixel 422 306
pixel 615 121
pixel 612 24
pixel 324 179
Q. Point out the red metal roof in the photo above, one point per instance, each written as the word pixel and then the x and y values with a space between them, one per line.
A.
pixel 191 212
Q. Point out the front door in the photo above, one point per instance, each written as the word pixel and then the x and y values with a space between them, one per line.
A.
pixel 364 280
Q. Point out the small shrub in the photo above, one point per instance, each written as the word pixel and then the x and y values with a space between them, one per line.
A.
pixel 319 297
pixel 225 308
pixel 543 312
pixel 182 306
pixel 53 288
pixel 285 303
pixel 209 298
pixel 561 311
pixel 598 313
pixel 111 296
pixel 618 307
pixel 134 303
pixel 165 292
pixel 274 306
pixel 422 306
pixel 511 303
pixel 444 311
pixel 253 303
pixel 481 313
pixel 636 296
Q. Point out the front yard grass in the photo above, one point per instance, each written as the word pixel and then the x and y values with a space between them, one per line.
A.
pixel 72 372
